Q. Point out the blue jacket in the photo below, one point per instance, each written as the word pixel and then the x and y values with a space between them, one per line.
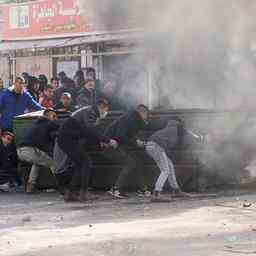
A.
pixel 12 105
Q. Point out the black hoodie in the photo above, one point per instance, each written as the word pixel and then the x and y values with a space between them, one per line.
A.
pixel 126 127
pixel 41 134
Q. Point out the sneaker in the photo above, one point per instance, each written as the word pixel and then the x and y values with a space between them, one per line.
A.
pixel 158 198
pixel 143 193
pixel 70 197
pixel 116 194
pixel 5 187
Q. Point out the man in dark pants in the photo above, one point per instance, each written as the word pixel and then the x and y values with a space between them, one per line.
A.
pixel 8 162
pixel 78 131
pixel 123 131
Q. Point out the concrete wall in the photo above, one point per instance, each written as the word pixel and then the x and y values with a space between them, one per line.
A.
pixel 34 65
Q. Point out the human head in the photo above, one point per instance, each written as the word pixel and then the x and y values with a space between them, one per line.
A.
pixel 43 81
pixel 55 83
pixel 1 84
pixel 48 91
pixel 79 78
pixel 33 84
pixel 7 138
pixel 18 84
pixel 90 73
pixel 50 114
pixel 25 75
pixel 89 84
pixel 103 107
pixel 143 112
pixel 66 99
pixel 62 76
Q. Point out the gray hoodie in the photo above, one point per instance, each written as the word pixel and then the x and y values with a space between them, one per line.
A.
pixel 167 138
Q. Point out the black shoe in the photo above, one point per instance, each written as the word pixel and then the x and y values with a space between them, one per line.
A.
pixel 158 198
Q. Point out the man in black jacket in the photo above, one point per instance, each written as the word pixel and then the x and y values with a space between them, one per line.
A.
pixel 8 162
pixel 37 146
pixel 123 131
pixel 72 163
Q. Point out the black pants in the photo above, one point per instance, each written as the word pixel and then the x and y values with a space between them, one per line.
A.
pixel 10 175
pixel 79 177
pixel 130 162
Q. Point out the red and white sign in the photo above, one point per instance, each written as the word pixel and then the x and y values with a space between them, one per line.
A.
pixel 42 19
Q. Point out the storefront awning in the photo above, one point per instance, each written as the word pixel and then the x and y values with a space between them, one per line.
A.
pixel 20 45
pixel 53 43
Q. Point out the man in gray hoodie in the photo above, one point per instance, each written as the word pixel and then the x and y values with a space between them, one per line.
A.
pixel 157 147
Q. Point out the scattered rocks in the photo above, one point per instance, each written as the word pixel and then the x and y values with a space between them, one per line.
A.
pixel 26 219
pixel 246 204
pixel 231 239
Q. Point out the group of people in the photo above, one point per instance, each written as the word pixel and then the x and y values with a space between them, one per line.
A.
pixel 30 93
pixel 64 149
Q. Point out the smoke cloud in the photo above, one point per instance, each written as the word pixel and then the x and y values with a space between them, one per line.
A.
pixel 202 49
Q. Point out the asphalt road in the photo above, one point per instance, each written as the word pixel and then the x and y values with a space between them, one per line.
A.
pixel 42 225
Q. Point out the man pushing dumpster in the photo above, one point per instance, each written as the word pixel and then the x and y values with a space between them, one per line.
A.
pixel 124 130
pixel 72 162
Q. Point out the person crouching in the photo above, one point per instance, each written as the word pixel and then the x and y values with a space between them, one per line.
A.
pixel 37 145
pixel 72 162
pixel 158 146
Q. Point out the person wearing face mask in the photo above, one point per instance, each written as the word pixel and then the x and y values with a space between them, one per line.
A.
pixel 87 95
pixel 78 133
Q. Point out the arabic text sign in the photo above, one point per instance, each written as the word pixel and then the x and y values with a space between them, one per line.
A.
pixel 42 19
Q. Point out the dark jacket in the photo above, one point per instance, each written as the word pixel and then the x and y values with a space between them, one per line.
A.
pixel 8 157
pixel 86 98
pixel 174 135
pixel 168 137
pixel 60 106
pixel 126 127
pixel 59 91
pixel 12 105
pixel 82 125
pixel 88 116
pixel 41 135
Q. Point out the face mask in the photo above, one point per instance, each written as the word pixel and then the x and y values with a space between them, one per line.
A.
pixel 103 115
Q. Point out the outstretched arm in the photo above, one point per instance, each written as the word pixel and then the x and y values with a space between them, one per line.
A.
pixel 33 105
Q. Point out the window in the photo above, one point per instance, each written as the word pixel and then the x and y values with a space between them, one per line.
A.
pixel 19 17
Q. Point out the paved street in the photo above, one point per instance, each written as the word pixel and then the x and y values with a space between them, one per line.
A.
pixel 43 225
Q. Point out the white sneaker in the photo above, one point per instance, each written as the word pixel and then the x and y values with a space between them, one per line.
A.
pixel 116 194
pixel 145 193
pixel 5 187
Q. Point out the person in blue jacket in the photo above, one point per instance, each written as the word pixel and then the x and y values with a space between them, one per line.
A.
pixel 14 102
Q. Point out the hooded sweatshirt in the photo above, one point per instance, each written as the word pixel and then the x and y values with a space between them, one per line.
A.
pixel 168 137
pixel 41 135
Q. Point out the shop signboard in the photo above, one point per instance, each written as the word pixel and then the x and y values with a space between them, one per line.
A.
pixel 42 19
